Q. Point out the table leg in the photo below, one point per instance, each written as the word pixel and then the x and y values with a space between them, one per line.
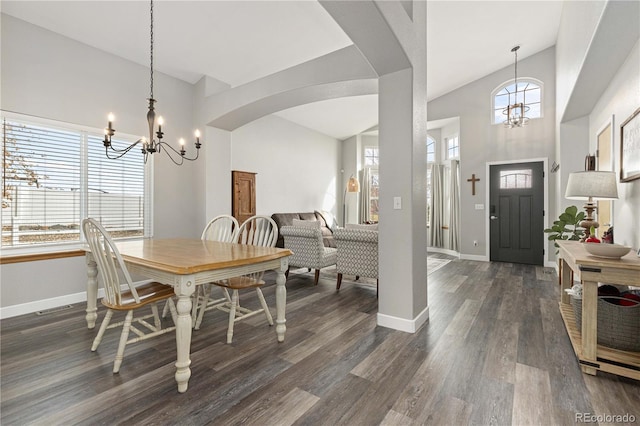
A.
pixel 565 281
pixel 281 299
pixel 184 290
pixel 589 324
pixel 92 291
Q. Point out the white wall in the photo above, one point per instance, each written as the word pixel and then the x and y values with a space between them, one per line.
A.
pixel 297 168
pixel 45 74
pixel 482 142
pixel 621 99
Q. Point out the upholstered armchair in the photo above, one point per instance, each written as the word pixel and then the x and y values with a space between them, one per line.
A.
pixel 308 249
pixel 357 253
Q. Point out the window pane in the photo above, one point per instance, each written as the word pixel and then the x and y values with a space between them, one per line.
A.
pixel 371 156
pixel 501 101
pixel 533 95
pixel 515 179
pixel 41 184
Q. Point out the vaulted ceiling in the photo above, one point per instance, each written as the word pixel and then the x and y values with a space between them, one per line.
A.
pixel 240 41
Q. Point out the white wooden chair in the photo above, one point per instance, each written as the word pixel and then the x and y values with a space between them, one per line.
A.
pixel 257 231
pixel 109 260
pixel 222 228
pixel 308 248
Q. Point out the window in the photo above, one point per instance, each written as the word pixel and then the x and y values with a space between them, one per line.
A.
pixel 529 93
pixel 431 150
pixel 453 147
pixel 55 174
pixel 371 156
pixel 515 179
pixel 374 192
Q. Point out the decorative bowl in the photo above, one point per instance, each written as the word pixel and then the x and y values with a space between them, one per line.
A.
pixel 613 251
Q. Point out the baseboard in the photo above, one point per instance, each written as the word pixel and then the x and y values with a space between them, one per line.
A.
pixel 401 324
pixel 54 302
pixel 41 305
pixel 474 257
pixel 443 251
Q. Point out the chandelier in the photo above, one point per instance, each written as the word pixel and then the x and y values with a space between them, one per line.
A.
pixel 515 111
pixel 151 145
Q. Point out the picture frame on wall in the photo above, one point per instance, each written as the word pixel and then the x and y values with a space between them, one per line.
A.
pixel 630 148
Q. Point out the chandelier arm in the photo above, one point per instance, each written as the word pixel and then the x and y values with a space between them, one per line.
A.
pixel 120 152
pixel 125 150
pixel 168 147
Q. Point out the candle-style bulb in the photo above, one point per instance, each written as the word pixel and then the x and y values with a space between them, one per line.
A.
pixel 160 121
pixel 197 133
pixel 181 142
pixel 111 117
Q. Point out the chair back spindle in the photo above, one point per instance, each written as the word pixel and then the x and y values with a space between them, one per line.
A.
pixel 258 231
pixel 221 228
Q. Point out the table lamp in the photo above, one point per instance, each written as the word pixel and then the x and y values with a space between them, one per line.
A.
pixel 590 185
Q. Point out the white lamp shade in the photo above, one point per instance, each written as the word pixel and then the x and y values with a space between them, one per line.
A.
pixel 595 184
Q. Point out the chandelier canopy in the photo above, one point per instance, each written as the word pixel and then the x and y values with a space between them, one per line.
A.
pixel 153 144
pixel 516 111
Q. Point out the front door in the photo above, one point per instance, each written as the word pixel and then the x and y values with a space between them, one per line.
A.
pixel 516 213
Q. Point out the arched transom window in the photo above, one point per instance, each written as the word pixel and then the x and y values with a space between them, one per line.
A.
pixel 529 92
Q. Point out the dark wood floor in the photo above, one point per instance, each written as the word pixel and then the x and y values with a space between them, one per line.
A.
pixel 494 352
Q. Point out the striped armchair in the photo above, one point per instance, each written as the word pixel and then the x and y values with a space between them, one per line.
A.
pixel 357 253
pixel 308 248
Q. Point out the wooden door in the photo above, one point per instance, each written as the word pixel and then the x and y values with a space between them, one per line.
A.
pixel 517 209
pixel 243 203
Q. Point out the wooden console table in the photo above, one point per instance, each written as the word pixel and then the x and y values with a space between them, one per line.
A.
pixel 591 270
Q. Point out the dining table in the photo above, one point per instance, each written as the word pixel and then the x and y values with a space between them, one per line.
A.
pixel 184 264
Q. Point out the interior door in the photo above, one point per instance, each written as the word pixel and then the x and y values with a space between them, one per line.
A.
pixel 516 212
pixel 243 203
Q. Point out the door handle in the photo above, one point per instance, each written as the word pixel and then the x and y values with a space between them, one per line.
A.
pixel 492 217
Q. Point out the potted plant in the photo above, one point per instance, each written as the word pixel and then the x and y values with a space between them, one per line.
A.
pixel 567 227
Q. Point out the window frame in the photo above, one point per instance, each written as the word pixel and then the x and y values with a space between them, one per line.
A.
pixel 86 132
pixel 510 82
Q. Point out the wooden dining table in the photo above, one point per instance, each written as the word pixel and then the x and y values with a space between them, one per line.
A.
pixel 184 264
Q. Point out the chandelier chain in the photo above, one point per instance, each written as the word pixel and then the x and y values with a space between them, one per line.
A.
pixel 151 49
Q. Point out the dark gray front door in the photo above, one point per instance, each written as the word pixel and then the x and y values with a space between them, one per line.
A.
pixel 516 212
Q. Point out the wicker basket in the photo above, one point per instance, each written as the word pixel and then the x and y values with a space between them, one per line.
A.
pixel 618 326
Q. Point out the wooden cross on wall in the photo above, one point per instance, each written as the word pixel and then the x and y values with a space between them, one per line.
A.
pixel 473 181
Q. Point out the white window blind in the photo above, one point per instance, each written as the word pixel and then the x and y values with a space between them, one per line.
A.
pixel 116 189
pixel 55 174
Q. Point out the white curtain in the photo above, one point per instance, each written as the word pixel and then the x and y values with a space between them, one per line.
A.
pixel 365 193
pixel 436 235
pixel 454 207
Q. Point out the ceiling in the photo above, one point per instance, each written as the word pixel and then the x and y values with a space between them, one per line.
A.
pixel 240 41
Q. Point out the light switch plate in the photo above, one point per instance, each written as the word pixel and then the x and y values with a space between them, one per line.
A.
pixel 397 203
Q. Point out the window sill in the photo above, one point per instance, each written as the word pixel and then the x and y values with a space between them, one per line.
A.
pixel 32 257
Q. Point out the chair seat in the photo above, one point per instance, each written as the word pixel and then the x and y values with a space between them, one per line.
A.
pixel 238 283
pixel 148 293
